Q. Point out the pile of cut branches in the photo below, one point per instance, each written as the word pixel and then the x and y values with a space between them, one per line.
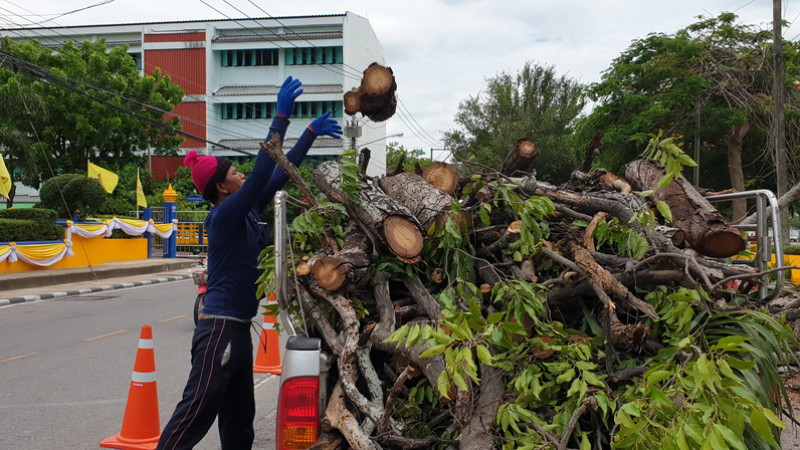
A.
pixel 494 310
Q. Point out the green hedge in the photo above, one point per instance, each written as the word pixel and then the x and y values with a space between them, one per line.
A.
pixel 791 250
pixel 19 230
pixel 35 214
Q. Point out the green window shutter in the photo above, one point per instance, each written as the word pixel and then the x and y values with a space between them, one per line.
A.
pixel 289 56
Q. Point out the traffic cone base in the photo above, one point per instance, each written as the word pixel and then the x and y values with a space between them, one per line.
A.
pixel 268 357
pixel 141 427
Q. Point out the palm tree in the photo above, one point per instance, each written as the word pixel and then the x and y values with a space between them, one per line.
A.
pixel 19 103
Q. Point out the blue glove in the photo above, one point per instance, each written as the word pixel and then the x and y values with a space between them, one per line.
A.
pixel 323 125
pixel 288 93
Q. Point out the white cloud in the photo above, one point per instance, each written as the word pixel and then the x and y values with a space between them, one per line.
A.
pixel 442 51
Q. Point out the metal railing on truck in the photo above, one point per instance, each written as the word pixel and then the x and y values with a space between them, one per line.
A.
pixel 766 212
pixel 282 199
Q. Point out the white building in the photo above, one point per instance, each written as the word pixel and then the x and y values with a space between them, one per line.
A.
pixel 231 71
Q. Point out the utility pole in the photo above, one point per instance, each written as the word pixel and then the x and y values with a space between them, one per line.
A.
pixel 780 120
pixel 697 144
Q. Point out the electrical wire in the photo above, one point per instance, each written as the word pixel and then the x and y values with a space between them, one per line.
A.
pixel 405 116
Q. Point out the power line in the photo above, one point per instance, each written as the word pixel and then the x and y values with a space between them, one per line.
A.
pixel 47 76
pixel 404 114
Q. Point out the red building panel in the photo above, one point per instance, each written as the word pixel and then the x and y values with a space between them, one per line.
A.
pixel 175 37
pixel 193 121
pixel 164 166
pixel 186 66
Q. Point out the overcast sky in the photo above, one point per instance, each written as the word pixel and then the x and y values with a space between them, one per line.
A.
pixel 443 51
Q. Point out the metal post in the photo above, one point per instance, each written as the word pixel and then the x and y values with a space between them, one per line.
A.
pixel 170 244
pixel 281 277
pixel 147 214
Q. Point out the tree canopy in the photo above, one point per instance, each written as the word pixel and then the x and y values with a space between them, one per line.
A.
pixel 712 80
pixel 98 108
pixel 535 104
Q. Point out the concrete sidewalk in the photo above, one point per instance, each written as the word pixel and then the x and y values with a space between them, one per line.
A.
pixel 43 284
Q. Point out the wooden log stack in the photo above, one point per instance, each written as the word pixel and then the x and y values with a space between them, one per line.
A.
pixel 388 272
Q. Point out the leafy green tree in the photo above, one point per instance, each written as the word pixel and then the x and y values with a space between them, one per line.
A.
pixel 716 73
pixel 70 193
pixel 14 141
pixel 411 159
pixel 100 107
pixel 535 103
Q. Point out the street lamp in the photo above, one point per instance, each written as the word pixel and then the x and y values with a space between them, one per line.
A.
pixel 381 139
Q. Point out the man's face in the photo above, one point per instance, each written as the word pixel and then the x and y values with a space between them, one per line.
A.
pixel 233 181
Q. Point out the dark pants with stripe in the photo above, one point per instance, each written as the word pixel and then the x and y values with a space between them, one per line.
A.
pixel 220 385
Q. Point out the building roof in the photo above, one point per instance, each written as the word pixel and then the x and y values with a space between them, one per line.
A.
pixel 273 90
pixel 172 21
pixel 261 37
pixel 19 198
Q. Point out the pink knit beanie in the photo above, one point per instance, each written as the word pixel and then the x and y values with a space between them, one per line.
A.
pixel 207 171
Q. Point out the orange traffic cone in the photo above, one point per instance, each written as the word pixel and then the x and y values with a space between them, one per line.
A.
pixel 268 357
pixel 141 427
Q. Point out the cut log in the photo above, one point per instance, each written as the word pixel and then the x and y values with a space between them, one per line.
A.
pixel 520 158
pixel 403 238
pixel 705 228
pixel 423 199
pixel 592 150
pixel 380 217
pixel 442 175
pixel 374 98
pixel 348 264
pixel 352 101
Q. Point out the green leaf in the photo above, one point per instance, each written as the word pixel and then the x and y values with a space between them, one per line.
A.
pixel 657 376
pixel 566 376
pixel 585 443
pixel 459 381
pixel 773 418
pixel 413 334
pixel 443 385
pixel 435 350
pixel 484 355
pixel 729 436
pixel 631 409
pixel 761 425
pixel 664 181
pixel 665 210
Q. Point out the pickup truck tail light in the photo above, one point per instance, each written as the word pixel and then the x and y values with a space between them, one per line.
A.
pixel 298 413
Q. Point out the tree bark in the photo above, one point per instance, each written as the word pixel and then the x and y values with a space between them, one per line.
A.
pixel 477 434
pixel 428 204
pixel 705 228
pixel 379 215
pixel 734 142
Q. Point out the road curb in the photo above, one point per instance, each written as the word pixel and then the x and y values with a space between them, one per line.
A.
pixel 48 296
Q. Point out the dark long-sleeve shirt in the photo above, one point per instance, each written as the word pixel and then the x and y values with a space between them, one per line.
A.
pixel 235 238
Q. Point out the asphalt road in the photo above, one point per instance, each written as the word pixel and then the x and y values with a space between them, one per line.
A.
pixel 66 364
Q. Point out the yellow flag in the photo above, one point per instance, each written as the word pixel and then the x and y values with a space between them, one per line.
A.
pixel 106 177
pixel 140 198
pixel 5 179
